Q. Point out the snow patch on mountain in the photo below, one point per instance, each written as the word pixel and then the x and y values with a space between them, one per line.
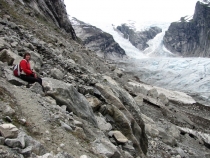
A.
pixel 205 1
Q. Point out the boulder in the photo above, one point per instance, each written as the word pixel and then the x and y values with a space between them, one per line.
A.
pixel 139 100
pixel 14 44
pixel 36 60
pixel 37 88
pixel 85 89
pixel 105 147
pixel 29 45
pixel 5 57
pixel 150 126
pixel 167 139
pixel 174 131
pixel 3 44
pixel 37 147
pixel 151 130
pixel 143 90
pixel 8 131
pixel 13 79
pixel 78 123
pixel 129 149
pixel 70 61
pixel 10 57
pixel 102 124
pixel 66 94
pixel 118 136
pixel 80 133
pixel 118 72
pixel 65 126
pixel 162 98
pixel 18 142
pixel 153 93
pixel 7 110
pixel 57 74
pixel 95 103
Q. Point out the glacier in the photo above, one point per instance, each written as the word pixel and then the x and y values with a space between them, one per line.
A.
pixel 159 67
pixel 189 75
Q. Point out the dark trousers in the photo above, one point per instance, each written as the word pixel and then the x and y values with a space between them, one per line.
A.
pixel 31 79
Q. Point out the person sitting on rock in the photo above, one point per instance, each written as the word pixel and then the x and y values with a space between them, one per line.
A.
pixel 27 74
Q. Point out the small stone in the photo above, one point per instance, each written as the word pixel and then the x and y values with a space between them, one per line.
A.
pixel 47 138
pixel 62 145
pixel 22 121
pixel 59 149
pixel 84 156
pixel 47 132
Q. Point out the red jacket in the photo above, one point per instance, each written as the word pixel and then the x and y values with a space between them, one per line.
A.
pixel 25 67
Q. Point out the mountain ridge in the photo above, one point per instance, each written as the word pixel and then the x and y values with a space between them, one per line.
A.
pixel 191 38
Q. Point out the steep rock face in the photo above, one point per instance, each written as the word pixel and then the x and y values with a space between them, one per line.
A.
pixel 97 40
pixel 190 38
pixel 137 38
pixel 56 11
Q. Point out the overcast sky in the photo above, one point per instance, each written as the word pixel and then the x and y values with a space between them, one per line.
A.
pixel 123 10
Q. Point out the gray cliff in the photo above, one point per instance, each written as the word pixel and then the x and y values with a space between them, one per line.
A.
pixel 190 38
pixel 53 10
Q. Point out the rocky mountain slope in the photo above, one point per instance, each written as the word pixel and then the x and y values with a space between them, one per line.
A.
pixel 139 38
pixel 190 38
pixel 91 108
pixel 97 40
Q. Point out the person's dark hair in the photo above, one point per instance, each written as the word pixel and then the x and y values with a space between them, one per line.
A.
pixel 24 56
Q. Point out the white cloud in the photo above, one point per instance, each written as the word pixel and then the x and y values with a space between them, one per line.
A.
pixel 123 10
